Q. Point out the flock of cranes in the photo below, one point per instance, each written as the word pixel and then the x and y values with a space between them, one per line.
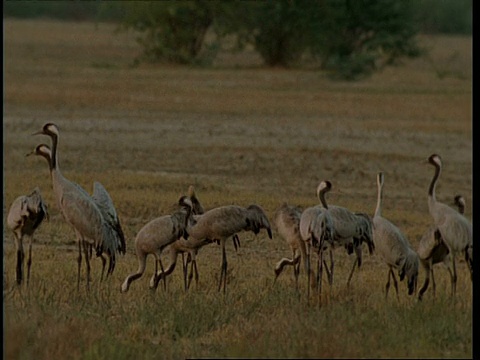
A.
pixel 316 229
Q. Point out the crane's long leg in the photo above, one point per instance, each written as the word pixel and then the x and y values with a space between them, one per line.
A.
pixel 223 274
pixel 308 270
pixel 320 276
pixel 428 272
pixel 20 256
pixel 395 283
pixel 296 268
pixel 193 272
pixel 164 278
pixel 111 264
pixel 356 264
pixel 167 271
pixel 332 264
pixel 87 262
pixel 104 261
pixel 387 286
pixel 454 276
pixel 434 285
pixel 236 242
pixel 185 270
pixel 196 272
pixel 190 275
pixel 469 261
pixel 29 261
pixel 79 261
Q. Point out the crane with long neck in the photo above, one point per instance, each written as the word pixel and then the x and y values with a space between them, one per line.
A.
pixel 93 218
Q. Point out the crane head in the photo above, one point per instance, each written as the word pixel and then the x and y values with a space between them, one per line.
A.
pixel 49 129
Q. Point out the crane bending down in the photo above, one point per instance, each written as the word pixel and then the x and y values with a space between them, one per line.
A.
pixel 155 236
pixel 26 214
pixel 287 223
pixel 190 247
pixel 217 225
pixel 432 250
pixel 198 209
pixel 453 227
pixel 393 247
pixel 93 218
pixel 351 230
pixel 182 247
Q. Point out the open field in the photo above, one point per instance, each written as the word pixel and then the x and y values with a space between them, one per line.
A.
pixel 241 134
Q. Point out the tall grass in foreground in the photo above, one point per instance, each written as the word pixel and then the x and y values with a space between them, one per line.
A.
pixel 50 319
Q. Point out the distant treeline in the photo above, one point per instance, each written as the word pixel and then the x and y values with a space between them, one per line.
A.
pixel 433 16
pixel 349 39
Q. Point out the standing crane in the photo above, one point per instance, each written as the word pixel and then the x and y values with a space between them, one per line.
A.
pixel 317 231
pixel 93 218
pixel 393 247
pixel 351 231
pixel 432 250
pixel 454 228
pixel 44 151
pixel 26 214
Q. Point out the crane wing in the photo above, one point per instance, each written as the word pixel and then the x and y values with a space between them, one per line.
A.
pixel 103 200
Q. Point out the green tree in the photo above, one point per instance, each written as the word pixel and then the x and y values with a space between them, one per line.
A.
pixel 356 37
pixel 282 30
pixel 352 38
pixel 172 31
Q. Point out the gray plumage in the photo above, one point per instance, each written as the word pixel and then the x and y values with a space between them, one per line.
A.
pixel 198 209
pixel 454 228
pixel 26 214
pixel 393 247
pixel 218 224
pixel 93 218
pixel 432 250
pixel 190 247
pixel 316 230
pixel 351 230
pixel 155 236
pixel 287 224
pixel 105 203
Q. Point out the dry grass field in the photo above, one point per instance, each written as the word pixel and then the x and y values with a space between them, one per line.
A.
pixel 240 133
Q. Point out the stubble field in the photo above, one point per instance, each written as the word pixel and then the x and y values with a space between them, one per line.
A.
pixel 241 134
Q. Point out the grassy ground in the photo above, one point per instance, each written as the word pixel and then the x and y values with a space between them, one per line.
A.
pixel 241 134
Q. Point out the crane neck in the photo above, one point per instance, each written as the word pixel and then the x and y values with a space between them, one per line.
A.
pixel 56 174
pixel 433 183
pixel 321 197
pixel 54 160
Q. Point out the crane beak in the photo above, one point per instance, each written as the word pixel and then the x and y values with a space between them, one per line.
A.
pixel 38 133
pixel 30 153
